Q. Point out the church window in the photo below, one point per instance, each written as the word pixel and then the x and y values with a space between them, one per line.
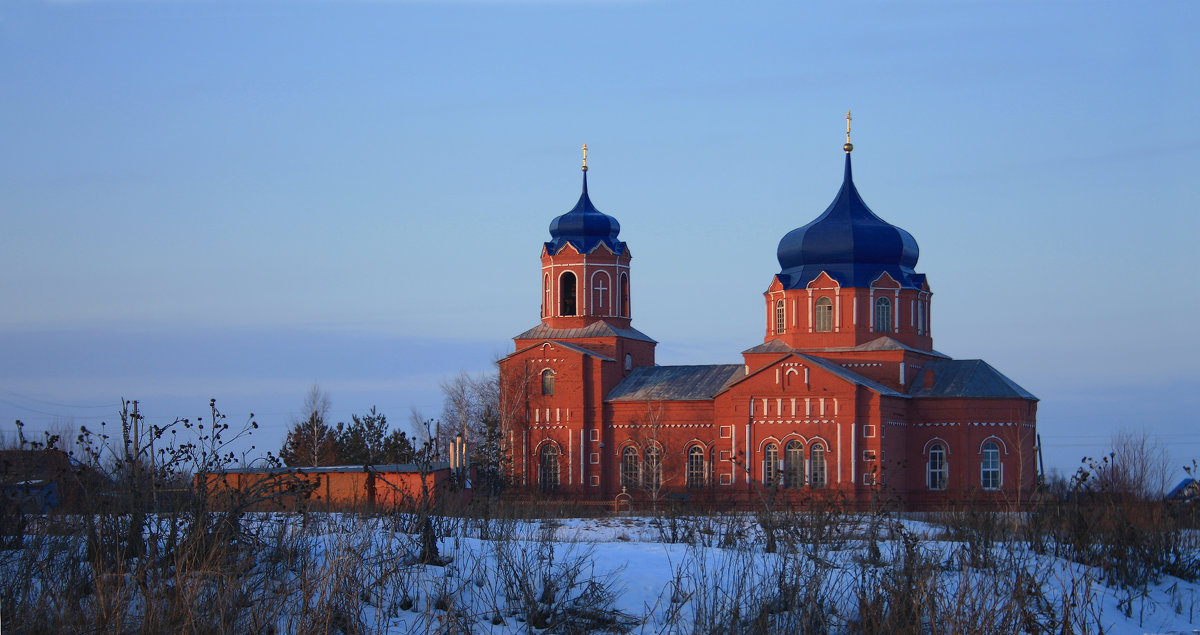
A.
pixel 770 465
pixel 695 467
pixel 547 382
pixel 600 289
pixel 548 468
pixel 652 478
pixel 991 471
pixel 629 467
pixel 824 317
pixel 628 361
pixel 566 294
pixel 936 470
pixel 883 315
pixel 547 305
pixel 817 478
pixel 623 295
pixel 779 322
pixel 793 465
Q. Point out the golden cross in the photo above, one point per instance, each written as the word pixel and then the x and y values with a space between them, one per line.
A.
pixel 848 147
pixel 585 157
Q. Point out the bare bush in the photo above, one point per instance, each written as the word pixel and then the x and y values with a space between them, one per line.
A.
pixel 555 586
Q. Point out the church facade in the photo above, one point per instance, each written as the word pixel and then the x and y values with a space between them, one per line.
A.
pixel 844 398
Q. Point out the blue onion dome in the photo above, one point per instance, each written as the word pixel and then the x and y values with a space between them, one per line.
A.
pixel 585 227
pixel 849 242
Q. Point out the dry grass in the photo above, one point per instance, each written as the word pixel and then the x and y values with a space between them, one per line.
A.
pixel 134 560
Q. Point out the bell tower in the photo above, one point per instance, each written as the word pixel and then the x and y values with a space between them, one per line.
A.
pixel 585 268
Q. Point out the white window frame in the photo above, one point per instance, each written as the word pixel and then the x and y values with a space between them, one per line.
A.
pixel 793 474
pixel 630 478
pixel 823 319
pixel 696 475
pixel 937 476
pixel 770 465
pixel 991 467
pixel 883 309
pixel 818 476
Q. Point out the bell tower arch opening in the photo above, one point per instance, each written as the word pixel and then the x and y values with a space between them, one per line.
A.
pixel 567 293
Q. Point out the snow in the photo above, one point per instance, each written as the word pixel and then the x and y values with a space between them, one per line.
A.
pixel 721 570
pixel 329 572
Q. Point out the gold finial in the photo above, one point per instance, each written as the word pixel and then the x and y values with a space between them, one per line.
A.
pixel 849 146
pixel 585 157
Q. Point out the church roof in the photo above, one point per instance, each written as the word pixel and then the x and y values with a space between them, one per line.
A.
pixel 676 383
pixel 584 227
pixel 569 346
pixel 885 343
pixel 850 376
pixel 595 329
pixel 773 346
pixel 882 343
pixel 850 243
pixel 973 378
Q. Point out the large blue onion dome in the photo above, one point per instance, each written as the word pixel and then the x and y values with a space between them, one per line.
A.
pixel 585 227
pixel 849 242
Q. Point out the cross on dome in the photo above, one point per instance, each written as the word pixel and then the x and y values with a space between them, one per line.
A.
pixel 849 146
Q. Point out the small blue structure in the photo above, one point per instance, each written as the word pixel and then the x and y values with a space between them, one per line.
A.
pixel 1188 491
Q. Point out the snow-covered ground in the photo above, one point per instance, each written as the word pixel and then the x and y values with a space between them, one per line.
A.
pixel 713 574
pixel 747 573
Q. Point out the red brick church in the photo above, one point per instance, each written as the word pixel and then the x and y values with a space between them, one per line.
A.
pixel 845 396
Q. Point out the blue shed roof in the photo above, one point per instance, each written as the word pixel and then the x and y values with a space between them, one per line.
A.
pixel 850 243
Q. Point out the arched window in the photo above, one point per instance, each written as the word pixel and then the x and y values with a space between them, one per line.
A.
pixel 920 316
pixel 695 466
pixel 779 321
pixel 824 315
pixel 547 382
pixel 883 315
pixel 566 294
pixel 547 305
pixel 817 466
pixel 991 471
pixel 629 467
pixel 793 464
pixel 548 468
pixel 628 361
pixel 770 465
pixel 936 470
pixel 623 295
pixel 600 291
pixel 652 478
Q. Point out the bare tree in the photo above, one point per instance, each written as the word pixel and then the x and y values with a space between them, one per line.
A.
pixel 1138 466
pixel 428 433
pixel 657 468
pixel 466 400
pixel 473 409
pixel 311 441
pixel 513 389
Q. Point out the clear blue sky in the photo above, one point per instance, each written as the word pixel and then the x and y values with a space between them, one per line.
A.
pixel 238 199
